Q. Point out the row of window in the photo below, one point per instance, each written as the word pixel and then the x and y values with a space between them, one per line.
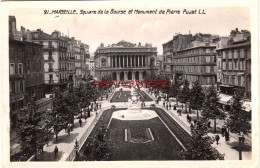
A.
pixel 233 80
pixel 233 65
pixel 196 51
pixel 208 59
pixel 16 87
pixel 66 66
pixel 238 53
pixel 194 69
pixel 204 80
pixel 54 43
pixel 16 70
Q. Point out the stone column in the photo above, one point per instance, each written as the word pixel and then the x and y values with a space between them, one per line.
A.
pixel 140 75
pixel 134 61
pixel 115 61
pixel 125 76
pixel 127 61
pixel 111 61
pixel 123 61
pixel 131 60
pixel 117 76
pixel 133 75
pixel 142 58
pixel 138 63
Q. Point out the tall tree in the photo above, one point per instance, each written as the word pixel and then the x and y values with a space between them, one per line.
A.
pixel 32 129
pixel 200 147
pixel 184 94
pixel 176 90
pixel 60 116
pixel 211 108
pixel 196 97
pixel 239 121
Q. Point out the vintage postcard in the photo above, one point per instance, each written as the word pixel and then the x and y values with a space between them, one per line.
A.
pixel 123 84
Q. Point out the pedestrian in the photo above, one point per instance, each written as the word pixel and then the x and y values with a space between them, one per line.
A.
pixel 188 117
pixel 223 131
pixel 100 106
pixel 68 129
pixel 226 135
pixel 96 114
pixel 164 104
pixel 56 150
pixel 80 122
pixel 217 138
pixel 107 96
pixel 170 106
pixel 85 116
pixel 209 124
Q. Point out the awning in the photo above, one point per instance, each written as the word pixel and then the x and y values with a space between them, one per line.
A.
pixel 247 106
pixel 224 99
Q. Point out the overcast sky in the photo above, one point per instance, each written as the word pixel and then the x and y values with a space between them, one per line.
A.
pixel 155 29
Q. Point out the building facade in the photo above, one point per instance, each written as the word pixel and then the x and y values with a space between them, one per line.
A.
pixel 125 61
pixel 34 70
pixel 16 75
pixel 56 60
pixel 192 58
pixel 234 60
pixel 92 66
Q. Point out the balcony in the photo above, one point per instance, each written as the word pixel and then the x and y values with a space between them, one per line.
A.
pixel 50 70
pixel 50 59
pixel 16 76
pixel 49 47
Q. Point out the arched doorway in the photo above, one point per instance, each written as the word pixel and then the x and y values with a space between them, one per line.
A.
pixel 114 75
pixel 122 76
pixel 144 74
pixel 129 75
pixel 137 75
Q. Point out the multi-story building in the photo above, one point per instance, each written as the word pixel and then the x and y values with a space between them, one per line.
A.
pixel 167 58
pixel 34 70
pixel 92 66
pixel 192 58
pixel 56 60
pixel 71 61
pixel 16 75
pixel 26 69
pixel 125 61
pixel 234 60
pixel 85 58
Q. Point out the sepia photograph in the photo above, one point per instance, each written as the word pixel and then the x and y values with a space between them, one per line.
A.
pixel 131 84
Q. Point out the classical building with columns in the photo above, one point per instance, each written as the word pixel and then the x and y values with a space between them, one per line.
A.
pixel 125 61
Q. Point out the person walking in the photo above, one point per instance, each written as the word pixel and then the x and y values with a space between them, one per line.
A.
pixel 85 116
pixel 56 150
pixel 188 117
pixel 68 129
pixel 223 131
pixel 217 138
pixel 80 122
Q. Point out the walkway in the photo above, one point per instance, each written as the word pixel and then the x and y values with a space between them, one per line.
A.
pixel 230 148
